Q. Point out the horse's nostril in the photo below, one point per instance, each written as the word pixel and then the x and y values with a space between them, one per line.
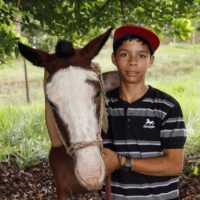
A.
pixel 90 183
pixel 93 184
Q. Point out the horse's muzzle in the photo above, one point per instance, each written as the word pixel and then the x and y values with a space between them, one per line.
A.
pixel 90 168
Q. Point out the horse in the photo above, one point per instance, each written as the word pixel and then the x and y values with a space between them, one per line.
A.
pixel 149 122
pixel 75 90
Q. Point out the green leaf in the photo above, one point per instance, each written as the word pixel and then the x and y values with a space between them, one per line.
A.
pixel 196 170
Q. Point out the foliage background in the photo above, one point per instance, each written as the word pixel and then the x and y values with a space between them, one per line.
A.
pixel 41 23
pixel 33 20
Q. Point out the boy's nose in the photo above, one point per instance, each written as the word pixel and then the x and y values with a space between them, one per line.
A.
pixel 133 60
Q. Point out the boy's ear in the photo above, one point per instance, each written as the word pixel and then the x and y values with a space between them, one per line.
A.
pixel 152 58
pixel 35 56
pixel 113 59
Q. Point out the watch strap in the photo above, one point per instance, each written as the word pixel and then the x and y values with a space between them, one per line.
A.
pixel 128 165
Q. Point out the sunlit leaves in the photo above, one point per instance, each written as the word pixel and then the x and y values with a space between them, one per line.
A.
pixel 80 20
pixel 182 27
pixel 196 171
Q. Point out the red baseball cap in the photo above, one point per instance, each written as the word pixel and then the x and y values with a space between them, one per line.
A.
pixel 139 31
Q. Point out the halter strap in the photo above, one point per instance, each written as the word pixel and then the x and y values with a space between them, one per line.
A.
pixel 103 121
pixel 81 145
pixel 103 118
pixel 70 149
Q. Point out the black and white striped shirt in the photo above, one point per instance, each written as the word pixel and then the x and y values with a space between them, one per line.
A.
pixel 142 130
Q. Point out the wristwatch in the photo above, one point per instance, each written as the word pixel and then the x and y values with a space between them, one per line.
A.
pixel 128 165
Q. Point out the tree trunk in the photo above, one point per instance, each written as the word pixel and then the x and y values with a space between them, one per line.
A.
pixel 193 37
pixel 174 39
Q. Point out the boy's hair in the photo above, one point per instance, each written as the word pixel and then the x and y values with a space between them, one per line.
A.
pixel 119 42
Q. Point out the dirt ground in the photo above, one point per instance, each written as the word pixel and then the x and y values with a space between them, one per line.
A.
pixel 36 182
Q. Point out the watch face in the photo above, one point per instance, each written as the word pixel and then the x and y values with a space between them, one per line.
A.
pixel 128 163
pixel 127 167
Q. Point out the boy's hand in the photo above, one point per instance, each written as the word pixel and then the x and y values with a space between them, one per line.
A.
pixel 110 161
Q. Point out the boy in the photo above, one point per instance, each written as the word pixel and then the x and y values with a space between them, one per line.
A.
pixel 144 143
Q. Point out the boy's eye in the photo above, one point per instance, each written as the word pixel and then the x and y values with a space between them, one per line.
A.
pixel 143 55
pixel 123 54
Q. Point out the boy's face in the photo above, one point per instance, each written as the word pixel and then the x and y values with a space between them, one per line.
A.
pixel 132 59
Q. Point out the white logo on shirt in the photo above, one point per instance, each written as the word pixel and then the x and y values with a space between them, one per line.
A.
pixel 149 124
pixel 113 100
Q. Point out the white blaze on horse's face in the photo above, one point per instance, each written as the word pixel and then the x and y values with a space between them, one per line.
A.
pixel 74 97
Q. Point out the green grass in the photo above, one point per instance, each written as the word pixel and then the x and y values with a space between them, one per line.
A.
pixel 22 127
pixel 23 133
pixel 12 83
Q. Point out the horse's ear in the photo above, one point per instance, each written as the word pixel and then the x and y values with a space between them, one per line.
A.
pixel 94 46
pixel 35 56
pixel 111 80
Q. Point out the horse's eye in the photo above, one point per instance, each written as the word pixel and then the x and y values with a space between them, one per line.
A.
pixel 97 94
pixel 53 106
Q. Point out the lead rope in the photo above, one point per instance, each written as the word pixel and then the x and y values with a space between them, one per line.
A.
pixel 103 121
pixel 103 118
pixel 103 125
pixel 62 139
pixel 108 187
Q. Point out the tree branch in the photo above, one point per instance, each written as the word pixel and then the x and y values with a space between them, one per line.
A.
pixel 14 20
pixel 122 11
pixel 97 12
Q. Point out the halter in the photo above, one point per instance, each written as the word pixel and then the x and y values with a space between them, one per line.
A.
pixel 103 125
pixel 103 121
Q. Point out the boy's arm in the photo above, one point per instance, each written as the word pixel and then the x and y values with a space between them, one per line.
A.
pixel 49 118
pixel 170 164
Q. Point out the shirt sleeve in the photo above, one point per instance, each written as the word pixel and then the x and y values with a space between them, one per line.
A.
pixel 173 130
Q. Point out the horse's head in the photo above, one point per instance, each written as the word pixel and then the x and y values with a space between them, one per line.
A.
pixel 72 89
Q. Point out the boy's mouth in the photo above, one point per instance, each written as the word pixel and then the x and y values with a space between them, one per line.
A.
pixel 131 73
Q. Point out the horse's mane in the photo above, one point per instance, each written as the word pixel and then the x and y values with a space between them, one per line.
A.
pixel 64 49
